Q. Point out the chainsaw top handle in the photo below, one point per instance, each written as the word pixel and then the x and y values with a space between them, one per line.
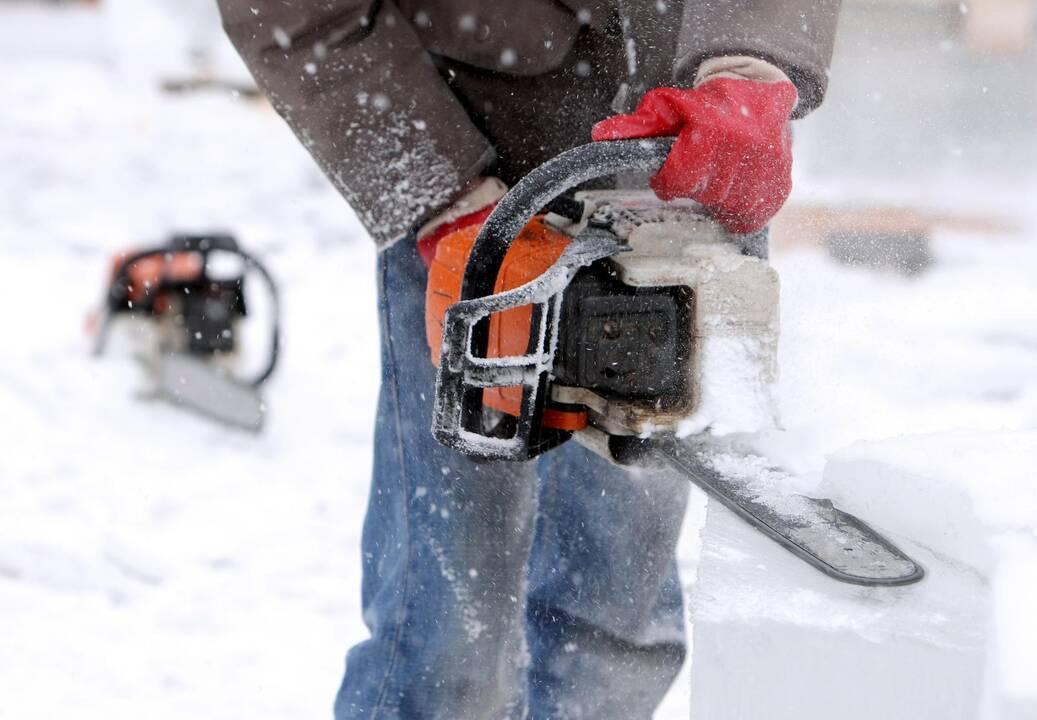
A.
pixel 539 187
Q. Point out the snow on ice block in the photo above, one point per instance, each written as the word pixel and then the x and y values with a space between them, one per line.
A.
pixel 775 639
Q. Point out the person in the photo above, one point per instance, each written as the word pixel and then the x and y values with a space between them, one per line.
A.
pixel 489 594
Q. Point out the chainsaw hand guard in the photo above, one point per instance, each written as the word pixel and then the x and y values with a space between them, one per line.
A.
pixel 465 369
pixel 457 415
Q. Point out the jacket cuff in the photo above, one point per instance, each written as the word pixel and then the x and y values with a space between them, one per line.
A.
pixel 739 67
pixel 795 36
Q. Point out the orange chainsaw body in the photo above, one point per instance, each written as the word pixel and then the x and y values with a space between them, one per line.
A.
pixel 147 274
pixel 535 250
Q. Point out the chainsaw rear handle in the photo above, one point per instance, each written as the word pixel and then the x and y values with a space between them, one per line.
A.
pixel 542 185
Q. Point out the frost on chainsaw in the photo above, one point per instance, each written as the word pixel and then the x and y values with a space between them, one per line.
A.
pixel 962 644
pixel 733 348
pixel 736 309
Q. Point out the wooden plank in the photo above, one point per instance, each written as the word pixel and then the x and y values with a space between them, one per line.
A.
pixel 1000 26
pixel 988 26
pixel 813 225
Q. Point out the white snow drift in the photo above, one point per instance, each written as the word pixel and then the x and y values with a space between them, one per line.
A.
pixel 775 639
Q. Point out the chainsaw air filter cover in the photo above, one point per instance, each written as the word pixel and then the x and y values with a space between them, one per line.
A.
pixel 621 341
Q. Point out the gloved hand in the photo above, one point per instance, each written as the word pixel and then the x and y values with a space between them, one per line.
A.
pixel 733 151
pixel 472 207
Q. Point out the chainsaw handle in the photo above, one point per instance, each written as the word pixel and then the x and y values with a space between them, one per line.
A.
pixel 539 187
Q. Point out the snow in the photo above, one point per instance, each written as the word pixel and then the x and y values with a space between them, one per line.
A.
pixel 984 480
pixel 736 394
pixel 155 565
pixel 913 402
pixel 936 373
pixel 737 308
pixel 151 563
pixel 1010 682
pixel 979 487
pixel 962 503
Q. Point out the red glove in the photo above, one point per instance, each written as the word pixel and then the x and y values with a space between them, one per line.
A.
pixel 733 151
pixel 427 243
pixel 473 207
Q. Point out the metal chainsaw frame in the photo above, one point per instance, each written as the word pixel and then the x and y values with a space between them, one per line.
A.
pixel 465 370
pixel 463 374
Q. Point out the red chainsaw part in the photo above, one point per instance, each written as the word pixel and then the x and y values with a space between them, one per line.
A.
pixel 148 274
pixel 427 243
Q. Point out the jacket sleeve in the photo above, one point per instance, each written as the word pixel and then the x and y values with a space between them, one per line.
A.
pixel 795 35
pixel 355 84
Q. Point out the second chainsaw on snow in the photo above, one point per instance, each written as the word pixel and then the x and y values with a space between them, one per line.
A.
pixel 186 303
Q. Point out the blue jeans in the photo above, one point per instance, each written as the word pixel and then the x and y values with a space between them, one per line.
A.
pixel 489 594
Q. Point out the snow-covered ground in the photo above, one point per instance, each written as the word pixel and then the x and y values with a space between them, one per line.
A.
pixel 153 565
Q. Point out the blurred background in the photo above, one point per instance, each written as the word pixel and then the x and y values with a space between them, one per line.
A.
pixel 155 564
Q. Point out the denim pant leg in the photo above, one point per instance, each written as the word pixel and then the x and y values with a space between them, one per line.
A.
pixel 605 609
pixel 445 547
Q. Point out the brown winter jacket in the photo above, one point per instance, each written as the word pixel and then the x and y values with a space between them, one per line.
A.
pixel 402 102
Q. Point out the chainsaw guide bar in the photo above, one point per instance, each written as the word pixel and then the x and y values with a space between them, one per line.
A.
pixel 835 542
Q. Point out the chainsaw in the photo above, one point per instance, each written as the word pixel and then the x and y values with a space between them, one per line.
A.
pixel 185 301
pixel 639 328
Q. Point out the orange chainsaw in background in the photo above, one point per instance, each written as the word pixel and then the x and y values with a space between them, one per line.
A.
pixel 185 302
